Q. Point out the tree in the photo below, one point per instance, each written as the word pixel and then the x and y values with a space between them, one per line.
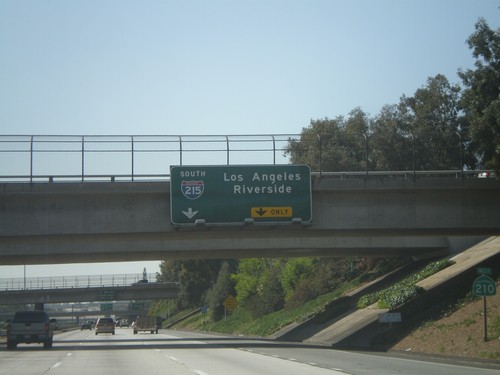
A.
pixel 317 145
pixel 355 136
pixel 422 132
pixel 223 287
pixel 294 271
pixel 169 271
pixel 390 148
pixel 430 121
pixel 332 145
pixel 195 277
pixel 480 99
pixel 258 286
pixel 249 277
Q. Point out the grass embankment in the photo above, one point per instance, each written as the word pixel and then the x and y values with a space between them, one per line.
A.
pixel 241 321
pixel 320 309
pixel 457 331
pixel 403 291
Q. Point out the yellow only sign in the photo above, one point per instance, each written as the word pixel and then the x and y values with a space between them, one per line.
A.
pixel 257 212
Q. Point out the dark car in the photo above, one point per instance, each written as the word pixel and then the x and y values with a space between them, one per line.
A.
pixel 29 327
pixel 86 325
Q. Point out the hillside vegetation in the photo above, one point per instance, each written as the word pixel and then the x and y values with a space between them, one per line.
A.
pixel 455 331
pixel 263 286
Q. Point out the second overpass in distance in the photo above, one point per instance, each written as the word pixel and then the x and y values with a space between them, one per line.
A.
pixel 90 294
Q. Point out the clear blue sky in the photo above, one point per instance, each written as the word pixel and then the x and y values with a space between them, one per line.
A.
pixel 218 67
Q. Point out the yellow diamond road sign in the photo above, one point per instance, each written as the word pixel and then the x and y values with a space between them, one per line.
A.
pixel 230 303
pixel 257 212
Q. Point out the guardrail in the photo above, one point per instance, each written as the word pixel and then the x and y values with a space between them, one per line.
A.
pixel 64 282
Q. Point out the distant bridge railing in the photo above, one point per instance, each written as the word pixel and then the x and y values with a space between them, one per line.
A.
pixel 81 281
pixel 78 158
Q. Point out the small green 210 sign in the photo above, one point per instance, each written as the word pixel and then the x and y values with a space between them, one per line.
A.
pixel 484 286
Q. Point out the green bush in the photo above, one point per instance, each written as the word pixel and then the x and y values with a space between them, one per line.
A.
pixel 433 268
pixel 295 271
pixel 397 295
pixel 403 291
pixel 367 300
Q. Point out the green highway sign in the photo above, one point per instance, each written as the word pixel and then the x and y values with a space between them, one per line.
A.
pixel 106 307
pixel 484 271
pixel 240 193
pixel 484 286
pixel 106 295
pixel 136 306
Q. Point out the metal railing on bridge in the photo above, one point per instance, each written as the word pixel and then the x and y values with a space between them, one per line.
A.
pixel 82 281
pixel 129 157
pixel 50 158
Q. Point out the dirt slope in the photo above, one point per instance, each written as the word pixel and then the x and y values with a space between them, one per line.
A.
pixel 459 333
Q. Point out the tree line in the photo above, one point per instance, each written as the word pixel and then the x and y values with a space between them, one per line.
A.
pixel 442 126
pixel 264 285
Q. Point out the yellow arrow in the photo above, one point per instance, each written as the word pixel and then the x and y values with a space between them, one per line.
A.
pixel 257 212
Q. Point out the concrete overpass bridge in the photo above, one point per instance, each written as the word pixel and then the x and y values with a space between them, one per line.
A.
pixel 84 314
pixel 60 203
pixel 97 313
pixel 364 214
pixel 40 297
pixel 95 291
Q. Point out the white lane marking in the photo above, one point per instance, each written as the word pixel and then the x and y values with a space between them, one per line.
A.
pixel 56 365
pixel 199 372
pixel 314 364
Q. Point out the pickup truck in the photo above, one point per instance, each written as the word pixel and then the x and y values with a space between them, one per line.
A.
pixel 146 323
pixel 29 327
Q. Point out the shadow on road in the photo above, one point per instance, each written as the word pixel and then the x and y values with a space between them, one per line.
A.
pixel 137 342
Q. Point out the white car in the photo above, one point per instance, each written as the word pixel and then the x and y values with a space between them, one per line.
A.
pixel 105 325
pixel 486 174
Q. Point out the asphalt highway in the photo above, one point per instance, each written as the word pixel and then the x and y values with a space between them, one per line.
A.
pixel 183 353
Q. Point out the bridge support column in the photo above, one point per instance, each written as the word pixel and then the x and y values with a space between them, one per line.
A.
pixel 39 306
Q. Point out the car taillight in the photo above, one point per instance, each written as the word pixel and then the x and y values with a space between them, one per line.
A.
pixel 46 328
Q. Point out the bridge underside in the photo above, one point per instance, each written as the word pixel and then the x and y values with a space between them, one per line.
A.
pixel 214 243
pixel 59 223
